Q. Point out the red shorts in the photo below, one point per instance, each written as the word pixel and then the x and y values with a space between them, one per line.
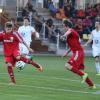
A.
pixel 77 59
pixel 12 59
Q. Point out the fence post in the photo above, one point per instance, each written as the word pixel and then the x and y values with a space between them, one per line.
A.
pixel 57 41
pixel 44 31
pixel 30 17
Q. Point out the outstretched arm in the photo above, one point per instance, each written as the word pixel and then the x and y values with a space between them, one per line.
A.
pixel 22 41
pixel 89 41
pixel 31 50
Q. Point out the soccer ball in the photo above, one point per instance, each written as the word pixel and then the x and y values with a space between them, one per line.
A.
pixel 20 65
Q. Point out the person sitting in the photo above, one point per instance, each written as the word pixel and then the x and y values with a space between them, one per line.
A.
pixel 52 8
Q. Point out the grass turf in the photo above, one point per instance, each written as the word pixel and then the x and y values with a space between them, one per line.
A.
pixel 55 83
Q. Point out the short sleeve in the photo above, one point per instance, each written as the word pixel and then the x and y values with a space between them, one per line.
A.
pixel 33 30
pixel 19 30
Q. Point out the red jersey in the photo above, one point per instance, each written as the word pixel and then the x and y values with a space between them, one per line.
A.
pixel 73 41
pixel 10 42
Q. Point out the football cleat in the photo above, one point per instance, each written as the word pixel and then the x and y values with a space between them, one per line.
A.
pixel 40 68
pixel 12 84
pixel 92 87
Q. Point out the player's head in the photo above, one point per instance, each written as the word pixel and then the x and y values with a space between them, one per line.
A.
pixel 26 21
pixel 8 27
pixel 97 22
pixel 67 24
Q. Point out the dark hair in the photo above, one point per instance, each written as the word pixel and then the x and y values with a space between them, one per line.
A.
pixel 27 18
pixel 68 23
pixel 8 25
pixel 97 19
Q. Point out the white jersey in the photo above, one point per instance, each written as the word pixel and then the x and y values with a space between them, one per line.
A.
pixel 96 42
pixel 26 33
pixel 96 38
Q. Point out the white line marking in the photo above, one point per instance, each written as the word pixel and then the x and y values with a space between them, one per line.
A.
pixel 57 78
pixel 51 88
pixel 15 95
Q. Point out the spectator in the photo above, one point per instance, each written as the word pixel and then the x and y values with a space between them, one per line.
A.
pixel 25 12
pixel 79 27
pixel 52 8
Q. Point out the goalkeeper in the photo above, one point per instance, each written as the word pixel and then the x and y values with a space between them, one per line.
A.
pixel 26 31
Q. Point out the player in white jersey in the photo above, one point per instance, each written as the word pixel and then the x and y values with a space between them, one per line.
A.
pixel 26 31
pixel 95 37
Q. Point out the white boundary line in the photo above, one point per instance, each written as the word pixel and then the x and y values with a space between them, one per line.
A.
pixel 42 76
pixel 54 89
pixel 50 88
pixel 16 95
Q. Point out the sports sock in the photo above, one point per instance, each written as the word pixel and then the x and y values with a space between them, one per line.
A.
pixel 89 81
pixel 27 60
pixel 97 66
pixel 77 71
pixel 11 74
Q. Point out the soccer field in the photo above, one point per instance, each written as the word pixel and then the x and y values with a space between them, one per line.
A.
pixel 55 83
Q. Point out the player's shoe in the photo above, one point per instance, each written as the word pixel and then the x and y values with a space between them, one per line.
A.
pixel 92 87
pixel 84 77
pixel 98 74
pixel 40 68
pixel 12 84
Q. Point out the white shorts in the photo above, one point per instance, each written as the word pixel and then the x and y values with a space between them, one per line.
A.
pixel 96 51
pixel 23 49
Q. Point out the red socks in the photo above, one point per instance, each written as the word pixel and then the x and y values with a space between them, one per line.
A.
pixel 80 73
pixel 26 60
pixel 89 81
pixel 11 74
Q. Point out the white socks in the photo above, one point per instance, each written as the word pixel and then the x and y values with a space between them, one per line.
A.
pixel 97 66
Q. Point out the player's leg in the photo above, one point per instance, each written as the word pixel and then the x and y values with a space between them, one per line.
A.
pixel 97 64
pixel 74 69
pixel 74 62
pixel 90 83
pixel 24 51
pixel 96 56
pixel 81 67
pixel 10 63
pixel 28 61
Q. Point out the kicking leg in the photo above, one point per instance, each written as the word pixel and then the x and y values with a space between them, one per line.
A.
pixel 27 60
pixel 77 71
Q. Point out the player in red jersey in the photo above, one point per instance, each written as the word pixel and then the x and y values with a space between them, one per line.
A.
pixel 12 54
pixel 76 61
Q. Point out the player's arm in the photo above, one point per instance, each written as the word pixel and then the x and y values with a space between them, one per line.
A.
pixel 63 37
pixel 89 41
pixel 22 41
pixel 35 33
pixel 31 50
pixel 68 32
pixel 67 52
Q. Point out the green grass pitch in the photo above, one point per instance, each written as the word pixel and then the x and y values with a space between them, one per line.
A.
pixel 55 83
